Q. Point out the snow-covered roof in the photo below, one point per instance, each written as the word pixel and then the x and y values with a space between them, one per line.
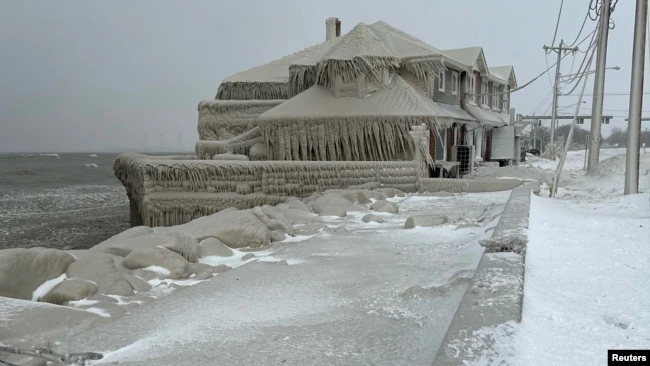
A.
pixel 506 73
pixel 267 81
pixel 468 56
pixel 399 98
pixel 472 56
pixel 378 45
pixel 487 116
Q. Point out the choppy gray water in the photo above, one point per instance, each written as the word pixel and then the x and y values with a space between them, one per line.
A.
pixel 59 200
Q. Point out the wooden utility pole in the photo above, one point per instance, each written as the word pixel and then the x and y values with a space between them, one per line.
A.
pixel 561 51
pixel 599 86
pixel 636 100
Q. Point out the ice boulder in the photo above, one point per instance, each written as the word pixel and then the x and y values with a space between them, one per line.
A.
pixel 331 205
pixel 425 220
pixel 181 243
pixel 158 257
pixel 391 192
pixel 69 290
pixel 22 271
pixel 100 268
pixel 372 218
pixel 236 229
pixel 384 206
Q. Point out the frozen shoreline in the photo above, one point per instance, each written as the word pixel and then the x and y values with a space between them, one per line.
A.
pixel 345 288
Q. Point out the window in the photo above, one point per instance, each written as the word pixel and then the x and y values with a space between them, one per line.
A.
pixel 441 81
pixel 440 145
pixel 495 96
pixel 472 89
pixel 484 92
pixel 505 100
pixel 454 83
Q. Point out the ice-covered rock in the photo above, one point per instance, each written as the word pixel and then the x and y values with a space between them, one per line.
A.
pixel 214 247
pixel 391 192
pixel 372 218
pixel 298 205
pixel 181 243
pixel 385 206
pixel 100 269
pixel 331 205
pixel 70 290
pixel 236 229
pixel 425 220
pixel 22 271
pixel 177 266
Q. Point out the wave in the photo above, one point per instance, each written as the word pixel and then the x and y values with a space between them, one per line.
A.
pixel 47 155
pixel 93 155
pixel 91 165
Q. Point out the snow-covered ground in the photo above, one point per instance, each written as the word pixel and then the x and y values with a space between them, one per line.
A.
pixel 356 293
pixel 586 270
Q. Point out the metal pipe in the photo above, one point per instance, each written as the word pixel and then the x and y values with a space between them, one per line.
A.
pixel 599 87
pixel 636 99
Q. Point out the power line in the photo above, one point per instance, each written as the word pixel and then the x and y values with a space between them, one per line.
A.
pixel 581 29
pixel 613 110
pixel 557 24
pixel 607 94
pixel 581 70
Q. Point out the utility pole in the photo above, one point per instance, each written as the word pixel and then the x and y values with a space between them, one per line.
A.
pixel 636 100
pixel 599 87
pixel 561 51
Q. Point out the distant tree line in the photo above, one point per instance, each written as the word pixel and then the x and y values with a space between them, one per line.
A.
pixel 618 136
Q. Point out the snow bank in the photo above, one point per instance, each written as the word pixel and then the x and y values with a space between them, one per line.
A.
pixel 586 267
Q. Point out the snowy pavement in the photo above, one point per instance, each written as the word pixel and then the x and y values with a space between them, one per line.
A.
pixel 374 294
pixel 586 271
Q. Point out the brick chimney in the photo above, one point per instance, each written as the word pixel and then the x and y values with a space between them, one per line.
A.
pixel 332 28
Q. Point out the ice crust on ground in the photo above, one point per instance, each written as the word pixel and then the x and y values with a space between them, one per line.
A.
pixel 305 281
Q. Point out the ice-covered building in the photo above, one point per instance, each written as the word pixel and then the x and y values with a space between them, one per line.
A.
pixel 375 107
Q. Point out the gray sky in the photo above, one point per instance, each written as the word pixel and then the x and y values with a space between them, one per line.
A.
pixel 80 75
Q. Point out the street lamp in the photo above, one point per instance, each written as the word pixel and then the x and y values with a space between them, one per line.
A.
pixel 591 72
pixel 572 105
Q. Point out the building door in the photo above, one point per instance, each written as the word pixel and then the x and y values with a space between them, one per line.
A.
pixel 488 146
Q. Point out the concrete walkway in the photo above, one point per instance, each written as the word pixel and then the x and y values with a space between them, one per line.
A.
pixel 376 294
pixel 495 293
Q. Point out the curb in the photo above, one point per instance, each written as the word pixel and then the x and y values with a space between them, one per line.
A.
pixel 495 294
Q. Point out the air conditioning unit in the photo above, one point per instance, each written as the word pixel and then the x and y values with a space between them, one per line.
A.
pixel 464 154
pixel 503 143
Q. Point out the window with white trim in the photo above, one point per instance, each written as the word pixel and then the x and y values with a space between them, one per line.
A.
pixel 505 99
pixel 471 79
pixel 441 81
pixel 455 82
pixel 484 93
pixel 495 95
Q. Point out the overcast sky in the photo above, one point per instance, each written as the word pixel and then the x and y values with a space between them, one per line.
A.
pixel 81 75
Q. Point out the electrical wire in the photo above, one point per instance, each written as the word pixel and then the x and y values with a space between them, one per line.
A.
pixel 545 100
pixel 593 6
pixel 548 73
pixel 557 23
pixel 582 27
pixel 606 94
pixel 523 86
pixel 582 73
